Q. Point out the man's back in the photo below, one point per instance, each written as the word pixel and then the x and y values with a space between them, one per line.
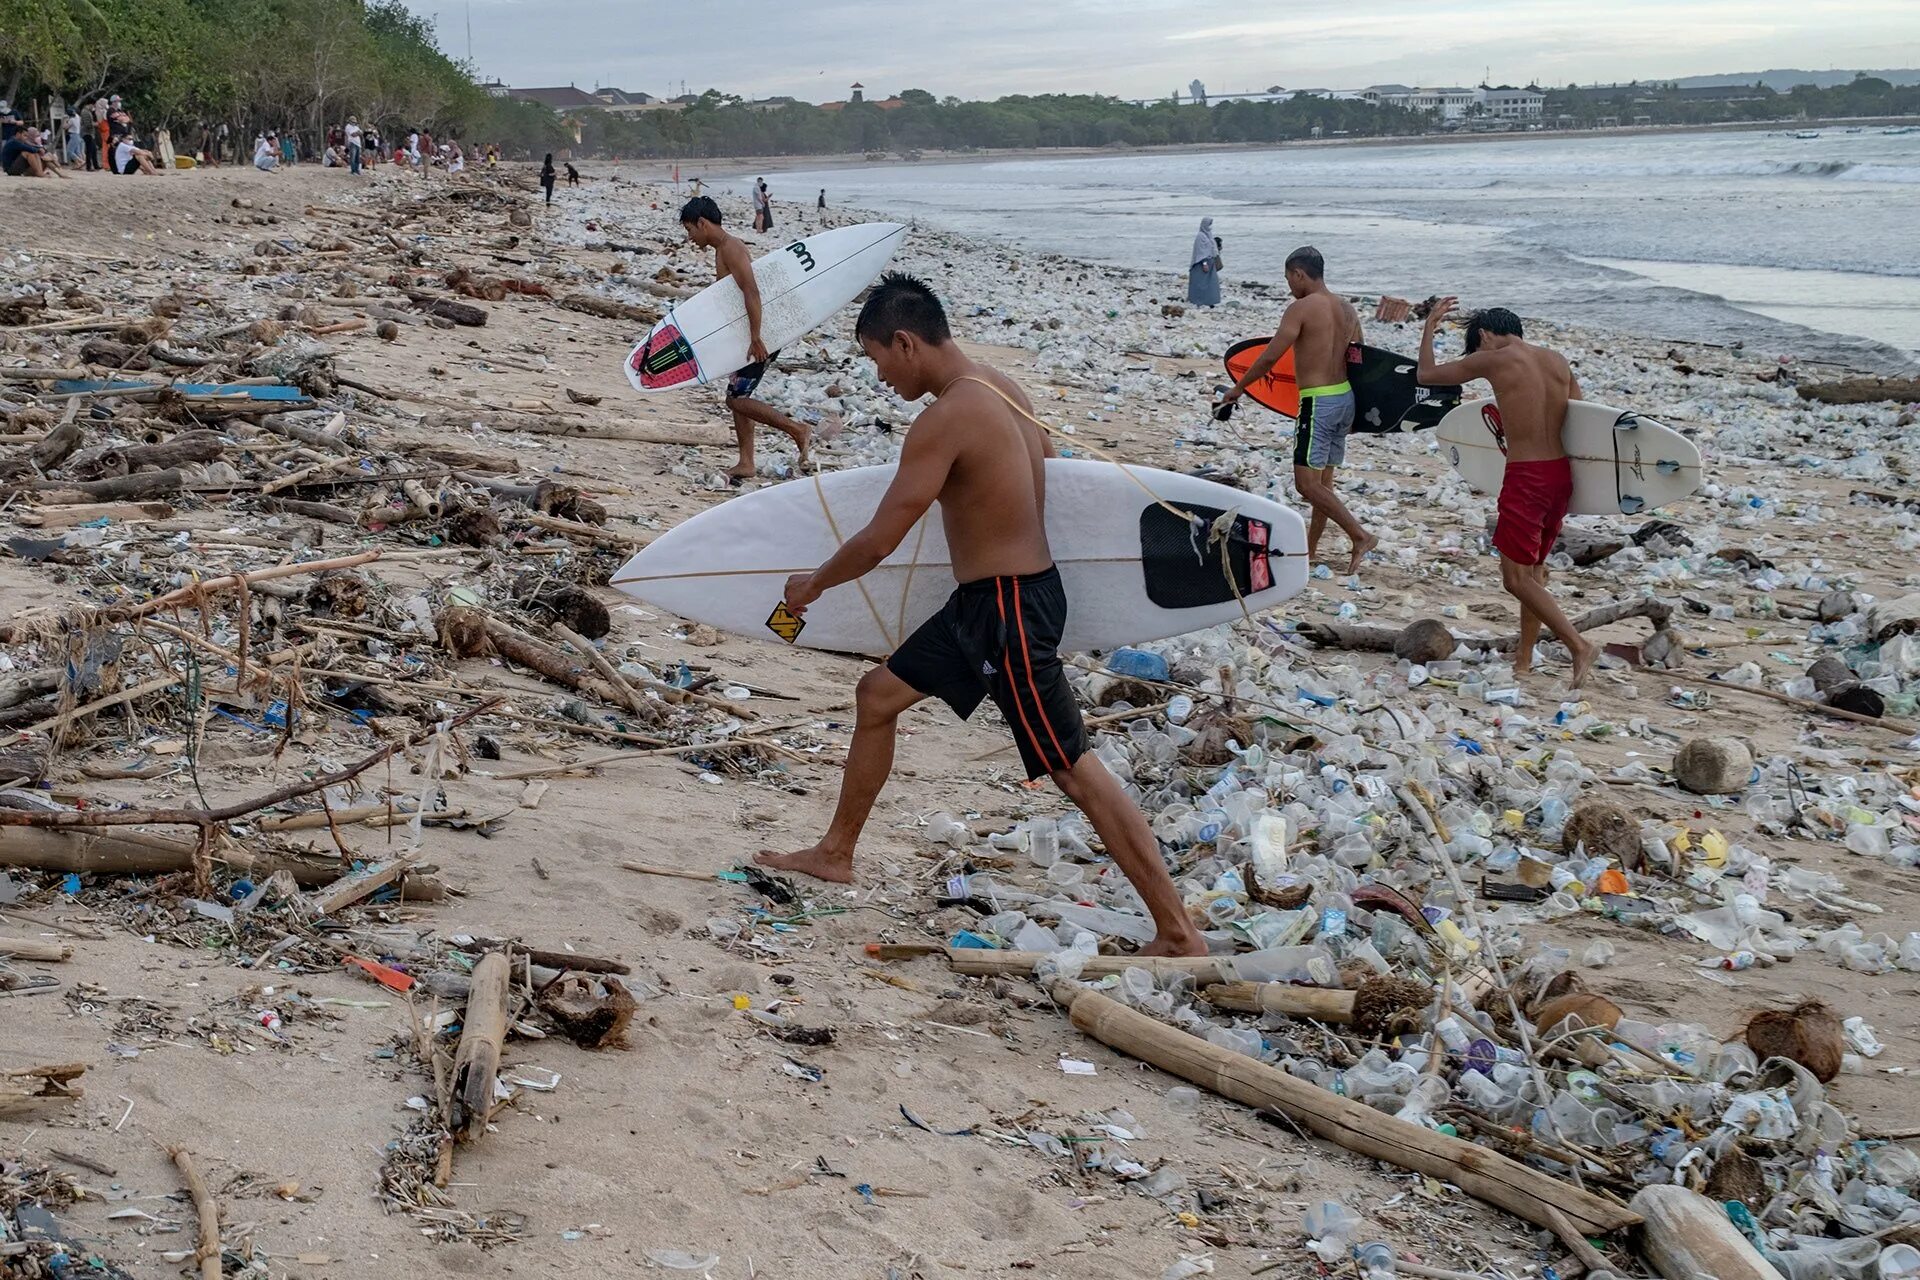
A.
pixel 1532 386
pixel 1327 325
pixel 993 504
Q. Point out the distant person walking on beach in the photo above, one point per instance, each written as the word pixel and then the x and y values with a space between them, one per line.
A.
pixel 701 217
pixel 1203 269
pixel 547 176
pixel 573 175
pixel 1318 327
pixel 102 132
pixel 355 149
pixel 71 126
pixel 762 206
pixel 823 206
pixel 1531 388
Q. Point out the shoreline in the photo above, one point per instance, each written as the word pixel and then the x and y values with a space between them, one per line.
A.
pixel 848 160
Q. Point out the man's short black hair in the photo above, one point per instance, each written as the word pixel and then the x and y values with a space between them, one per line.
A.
pixel 1308 260
pixel 1491 320
pixel 901 301
pixel 700 207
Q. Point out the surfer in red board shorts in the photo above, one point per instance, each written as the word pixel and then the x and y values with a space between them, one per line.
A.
pixel 980 453
pixel 1531 388
pixel 701 217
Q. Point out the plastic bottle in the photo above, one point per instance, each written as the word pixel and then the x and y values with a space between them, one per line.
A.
pixel 1331 1224
pixel 1375 1259
pixel 1137 664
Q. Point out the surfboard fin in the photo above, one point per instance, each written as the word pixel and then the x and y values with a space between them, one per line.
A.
pixel 1630 505
pixel 1626 422
pixel 1667 467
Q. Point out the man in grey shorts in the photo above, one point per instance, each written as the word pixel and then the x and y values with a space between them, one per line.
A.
pixel 1322 330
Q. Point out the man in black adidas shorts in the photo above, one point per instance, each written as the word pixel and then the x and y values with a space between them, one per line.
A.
pixel 701 218
pixel 980 453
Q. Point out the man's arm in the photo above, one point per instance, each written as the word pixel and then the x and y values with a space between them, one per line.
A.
pixel 1454 373
pixel 925 460
pixel 740 266
pixel 1283 340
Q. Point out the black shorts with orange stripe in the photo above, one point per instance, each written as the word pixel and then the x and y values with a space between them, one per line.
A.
pixel 999 638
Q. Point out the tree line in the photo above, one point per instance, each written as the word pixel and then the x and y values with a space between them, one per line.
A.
pixel 1660 103
pixel 292 65
pixel 716 124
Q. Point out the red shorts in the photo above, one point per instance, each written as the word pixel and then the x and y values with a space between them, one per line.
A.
pixel 1533 505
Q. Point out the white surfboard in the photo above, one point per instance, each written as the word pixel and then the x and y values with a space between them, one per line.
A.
pixel 705 338
pixel 1624 463
pixel 1133 570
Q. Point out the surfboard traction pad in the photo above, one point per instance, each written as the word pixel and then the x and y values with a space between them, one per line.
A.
pixel 664 358
pixel 1182 570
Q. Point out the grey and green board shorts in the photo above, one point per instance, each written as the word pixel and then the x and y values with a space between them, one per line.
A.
pixel 1320 432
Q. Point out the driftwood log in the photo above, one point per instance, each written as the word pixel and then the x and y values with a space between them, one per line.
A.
pixel 207 1254
pixel 461 313
pixel 146 853
pixel 133 488
pixel 1369 639
pixel 1685 1235
pixel 25 1088
pixel 1862 390
pixel 609 309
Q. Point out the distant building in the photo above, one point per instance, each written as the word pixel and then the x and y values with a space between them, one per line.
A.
pixel 1505 102
pixel 562 98
pixel 1725 93
pixel 494 88
pixel 858 93
pixel 1199 92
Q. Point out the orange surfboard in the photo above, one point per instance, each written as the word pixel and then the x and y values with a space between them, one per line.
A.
pixel 1279 390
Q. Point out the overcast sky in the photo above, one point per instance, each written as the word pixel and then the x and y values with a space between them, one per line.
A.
pixel 813 49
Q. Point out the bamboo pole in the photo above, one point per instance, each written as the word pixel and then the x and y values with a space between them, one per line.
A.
pixel 207 1255
pixel 1525 1192
pixel 977 962
pixel 1320 1003
pixel 477 1061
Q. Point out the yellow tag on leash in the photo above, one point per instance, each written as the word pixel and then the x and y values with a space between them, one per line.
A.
pixel 784 624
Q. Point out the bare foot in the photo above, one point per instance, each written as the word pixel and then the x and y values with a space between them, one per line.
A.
pixel 1367 543
pixel 819 862
pixel 1189 943
pixel 1583 659
pixel 740 471
pixel 803 436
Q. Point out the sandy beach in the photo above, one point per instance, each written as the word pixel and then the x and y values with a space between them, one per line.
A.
pixel 936 1131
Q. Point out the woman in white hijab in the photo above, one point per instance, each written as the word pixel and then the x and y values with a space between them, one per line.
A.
pixel 1203 269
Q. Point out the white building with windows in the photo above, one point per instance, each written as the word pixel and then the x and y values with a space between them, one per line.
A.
pixel 1504 102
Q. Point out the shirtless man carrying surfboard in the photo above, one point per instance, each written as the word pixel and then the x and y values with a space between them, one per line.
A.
pixel 701 217
pixel 1318 327
pixel 978 451
pixel 1531 388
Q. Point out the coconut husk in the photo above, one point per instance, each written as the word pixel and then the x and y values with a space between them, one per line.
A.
pixel 1135 693
pixel 1390 1006
pixel 473 526
pixel 1737 1176
pixel 1577 1008
pixel 1810 1034
pixel 339 595
pixel 463 633
pixel 1291 898
pixel 1215 729
pixel 593 1012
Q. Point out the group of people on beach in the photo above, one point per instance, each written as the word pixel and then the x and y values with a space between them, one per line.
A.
pixel 99 134
pixel 980 452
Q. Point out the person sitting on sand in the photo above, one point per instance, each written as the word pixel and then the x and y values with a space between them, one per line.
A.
pixel 266 155
pixel 1531 388
pixel 24 155
pixel 128 158
pixel 980 453
pixel 701 217
pixel 1319 326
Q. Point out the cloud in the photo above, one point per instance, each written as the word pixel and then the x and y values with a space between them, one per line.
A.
pixel 1145 48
